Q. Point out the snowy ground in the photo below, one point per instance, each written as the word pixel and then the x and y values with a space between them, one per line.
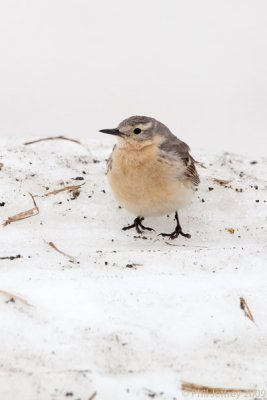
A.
pixel 96 325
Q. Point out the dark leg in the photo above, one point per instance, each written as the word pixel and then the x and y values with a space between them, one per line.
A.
pixel 137 224
pixel 178 230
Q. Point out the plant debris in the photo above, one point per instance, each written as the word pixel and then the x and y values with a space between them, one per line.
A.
pixel 134 265
pixel 55 138
pixel 183 245
pixel 201 164
pixel 13 298
pixel 93 396
pixel 245 308
pixel 192 387
pixel 23 215
pixel 70 188
pixel 11 257
pixel 71 258
pixel 151 394
pixel 75 194
pixel 231 230
pixel 222 182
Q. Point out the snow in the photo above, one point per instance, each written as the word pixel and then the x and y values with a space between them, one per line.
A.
pixel 97 325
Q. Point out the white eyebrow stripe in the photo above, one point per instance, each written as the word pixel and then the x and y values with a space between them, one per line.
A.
pixel 144 127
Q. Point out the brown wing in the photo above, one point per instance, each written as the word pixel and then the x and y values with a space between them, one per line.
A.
pixel 173 147
pixel 191 171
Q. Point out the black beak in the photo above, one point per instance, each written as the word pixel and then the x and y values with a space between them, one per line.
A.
pixel 112 132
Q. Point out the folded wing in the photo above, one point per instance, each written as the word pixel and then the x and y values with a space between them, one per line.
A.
pixel 174 148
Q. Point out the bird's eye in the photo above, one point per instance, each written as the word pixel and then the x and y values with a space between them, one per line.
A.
pixel 137 131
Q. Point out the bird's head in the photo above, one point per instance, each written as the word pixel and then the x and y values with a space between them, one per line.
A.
pixel 137 131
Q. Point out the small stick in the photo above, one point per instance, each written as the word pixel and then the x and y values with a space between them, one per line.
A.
pixel 69 188
pixel 53 138
pixel 192 387
pixel 93 396
pixel 201 164
pixel 134 265
pixel 222 182
pixel 245 308
pixel 60 137
pixel 15 297
pixel 51 244
pixel 10 257
pixel 183 245
pixel 23 215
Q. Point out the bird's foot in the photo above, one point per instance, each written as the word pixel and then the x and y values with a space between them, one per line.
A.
pixel 137 224
pixel 175 234
pixel 178 230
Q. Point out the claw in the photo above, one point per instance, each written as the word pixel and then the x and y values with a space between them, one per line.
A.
pixel 178 231
pixel 146 228
pixel 137 224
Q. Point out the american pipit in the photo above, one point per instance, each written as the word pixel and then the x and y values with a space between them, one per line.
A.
pixel 150 171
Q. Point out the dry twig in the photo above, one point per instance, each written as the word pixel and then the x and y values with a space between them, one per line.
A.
pixel 14 297
pixel 71 258
pixel 93 396
pixel 245 308
pixel 11 258
pixel 192 387
pixel 60 137
pixel 222 182
pixel 68 188
pixel 183 245
pixel 23 215
pixel 134 265
pixel 52 138
pixel 201 164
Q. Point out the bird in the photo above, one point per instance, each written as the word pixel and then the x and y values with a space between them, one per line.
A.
pixel 151 172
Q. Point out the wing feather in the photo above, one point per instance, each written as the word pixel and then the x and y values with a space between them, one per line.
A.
pixel 172 147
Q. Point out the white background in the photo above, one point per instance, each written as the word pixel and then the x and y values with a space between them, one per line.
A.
pixel 73 67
